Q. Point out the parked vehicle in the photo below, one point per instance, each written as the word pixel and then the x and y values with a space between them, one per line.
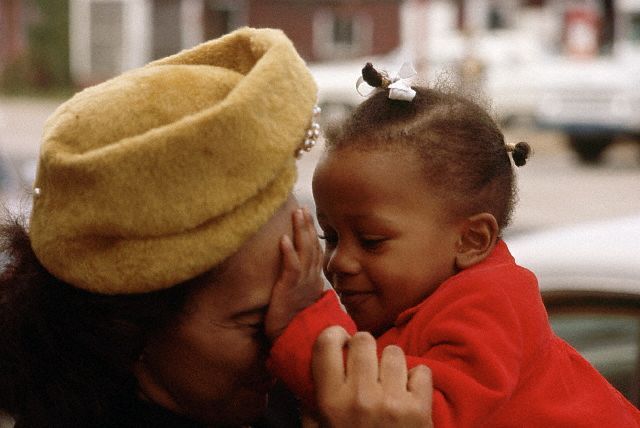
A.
pixel 504 67
pixel 592 104
pixel 589 277
pixel 596 99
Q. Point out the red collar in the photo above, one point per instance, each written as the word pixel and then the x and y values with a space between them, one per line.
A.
pixel 499 255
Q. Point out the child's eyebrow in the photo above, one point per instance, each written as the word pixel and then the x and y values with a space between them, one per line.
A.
pixel 358 218
pixel 372 217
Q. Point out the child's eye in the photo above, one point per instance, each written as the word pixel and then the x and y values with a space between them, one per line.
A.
pixel 331 240
pixel 372 242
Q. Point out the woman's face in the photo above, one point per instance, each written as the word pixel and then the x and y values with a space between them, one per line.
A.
pixel 211 365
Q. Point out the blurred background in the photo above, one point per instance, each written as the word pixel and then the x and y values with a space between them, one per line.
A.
pixel 562 75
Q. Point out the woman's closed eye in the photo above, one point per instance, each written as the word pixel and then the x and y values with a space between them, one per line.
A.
pixel 255 329
pixel 255 325
pixel 251 326
pixel 252 319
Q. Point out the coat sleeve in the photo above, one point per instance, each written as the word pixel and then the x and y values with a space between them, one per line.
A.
pixel 471 341
pixel 290 355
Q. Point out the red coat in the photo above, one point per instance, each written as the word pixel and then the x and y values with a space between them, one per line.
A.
pixel 494 358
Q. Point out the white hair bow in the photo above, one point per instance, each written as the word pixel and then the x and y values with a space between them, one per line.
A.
pixel 399 89
pixel 399 86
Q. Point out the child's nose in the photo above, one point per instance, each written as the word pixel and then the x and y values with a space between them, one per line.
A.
pixel 342 260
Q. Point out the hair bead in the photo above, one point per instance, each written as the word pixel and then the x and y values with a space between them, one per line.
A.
pixel 373 77
pixel 519 152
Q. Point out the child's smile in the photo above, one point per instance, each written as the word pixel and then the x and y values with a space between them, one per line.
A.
pixel 355 301
pixel 389 241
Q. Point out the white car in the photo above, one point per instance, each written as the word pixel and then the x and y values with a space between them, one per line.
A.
pixel 589 277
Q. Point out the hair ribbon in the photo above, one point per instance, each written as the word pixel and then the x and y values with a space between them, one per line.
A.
pixel 399 86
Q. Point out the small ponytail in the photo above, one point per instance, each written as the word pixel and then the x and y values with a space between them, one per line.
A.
pixel 373 77
pixel 519 152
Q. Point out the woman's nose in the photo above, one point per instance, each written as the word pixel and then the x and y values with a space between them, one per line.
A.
pixel 341 260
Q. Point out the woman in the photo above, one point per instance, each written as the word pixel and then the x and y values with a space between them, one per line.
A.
pixel 140 293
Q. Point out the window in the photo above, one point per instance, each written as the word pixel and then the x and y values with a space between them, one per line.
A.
pixel 340 36
pixel 497 19
pixel 224 16
pixel 107 37
pixel 167 36
pixel 343 31
pixel 633 34
pixel 106 42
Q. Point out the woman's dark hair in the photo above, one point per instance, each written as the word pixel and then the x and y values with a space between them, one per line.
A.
pixel 66 354
pixel 462 150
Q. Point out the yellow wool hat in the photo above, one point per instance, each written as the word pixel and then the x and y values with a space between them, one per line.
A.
pixel 156 176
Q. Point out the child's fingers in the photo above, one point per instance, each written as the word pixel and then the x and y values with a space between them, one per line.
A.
pixel 301 239
pixel 298 229
pixel 313 234
pixel 310 230
pixel 291 268
pixel 318 263
pixel 306 242
pixel 280 313
pixel 315 262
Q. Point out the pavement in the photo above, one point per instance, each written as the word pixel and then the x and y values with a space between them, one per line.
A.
pixel 21 124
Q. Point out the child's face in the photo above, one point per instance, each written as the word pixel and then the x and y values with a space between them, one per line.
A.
pixel 389 241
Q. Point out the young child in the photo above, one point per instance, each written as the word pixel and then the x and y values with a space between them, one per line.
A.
pixel 412 196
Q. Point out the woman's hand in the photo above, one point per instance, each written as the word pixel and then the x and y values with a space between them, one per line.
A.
pixel 364 392
pixel 300 283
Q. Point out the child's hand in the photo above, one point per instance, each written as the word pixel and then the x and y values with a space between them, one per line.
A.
pixel 365 392
pixel 300 283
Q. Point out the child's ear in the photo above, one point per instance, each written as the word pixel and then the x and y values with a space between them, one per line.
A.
pixel 477 239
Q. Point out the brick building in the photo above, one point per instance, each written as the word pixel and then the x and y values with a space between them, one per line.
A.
pixel 12 31
pixel 110 36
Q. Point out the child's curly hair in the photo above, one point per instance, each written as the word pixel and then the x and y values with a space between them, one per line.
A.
pixel 462 150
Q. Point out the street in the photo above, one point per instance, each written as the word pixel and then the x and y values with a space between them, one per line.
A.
pixel 554 188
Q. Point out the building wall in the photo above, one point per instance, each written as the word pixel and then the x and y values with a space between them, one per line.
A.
pixel 297 20
pixel 12 34
pixel 294 18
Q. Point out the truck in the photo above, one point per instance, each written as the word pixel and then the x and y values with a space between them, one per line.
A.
pixel 571 66
pixel 592 93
